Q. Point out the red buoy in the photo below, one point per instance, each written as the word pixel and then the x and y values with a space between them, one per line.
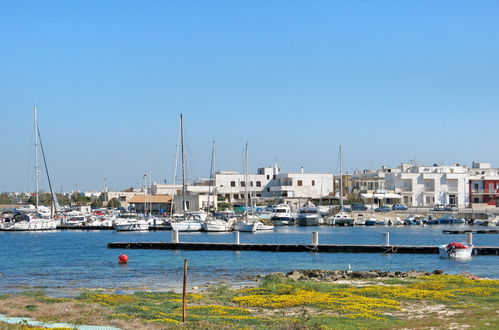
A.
pixel 123 259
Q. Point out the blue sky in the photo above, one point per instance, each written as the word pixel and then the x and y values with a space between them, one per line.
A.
pixel 391 81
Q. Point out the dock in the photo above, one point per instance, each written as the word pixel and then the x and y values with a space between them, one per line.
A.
pixel 474 231
pixel 328 248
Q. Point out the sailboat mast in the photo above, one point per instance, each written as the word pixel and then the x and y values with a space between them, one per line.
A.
pixel 246 176
pixel 212 176
pixel 175 172
pixel 183 165
pixel 37 166
pixel 341 182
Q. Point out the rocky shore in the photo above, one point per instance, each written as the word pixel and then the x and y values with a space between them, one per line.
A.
pixel 336 275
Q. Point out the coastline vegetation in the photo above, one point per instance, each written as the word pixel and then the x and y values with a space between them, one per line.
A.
pixel 437 301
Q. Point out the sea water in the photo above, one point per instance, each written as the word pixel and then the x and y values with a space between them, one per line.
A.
pixel 69 261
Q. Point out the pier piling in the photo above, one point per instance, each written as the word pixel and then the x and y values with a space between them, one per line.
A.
pixel 175 236
pixel 237 237
pixel 315 238
pixel 387 238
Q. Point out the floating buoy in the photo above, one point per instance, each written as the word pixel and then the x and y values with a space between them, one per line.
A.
pixel 123 259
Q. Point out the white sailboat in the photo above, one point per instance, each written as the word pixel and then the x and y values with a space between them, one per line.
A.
pixel 249 223
pixel 191 222
pixel 35 221
pixel 341 218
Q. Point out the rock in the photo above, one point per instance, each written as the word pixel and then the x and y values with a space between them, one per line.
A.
pixel 438 272
pixel 295 275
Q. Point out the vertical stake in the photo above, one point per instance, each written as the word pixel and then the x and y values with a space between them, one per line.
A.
pixel 184 293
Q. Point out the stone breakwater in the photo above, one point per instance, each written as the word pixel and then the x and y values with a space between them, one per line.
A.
pixel 336 275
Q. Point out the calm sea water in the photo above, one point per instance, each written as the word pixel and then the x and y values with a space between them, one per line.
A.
pixel 67 261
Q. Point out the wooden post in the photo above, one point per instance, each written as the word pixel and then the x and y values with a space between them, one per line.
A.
pixel 184 293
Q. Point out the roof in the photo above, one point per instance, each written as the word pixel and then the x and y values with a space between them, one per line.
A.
pixel 379 195
pixel 158 199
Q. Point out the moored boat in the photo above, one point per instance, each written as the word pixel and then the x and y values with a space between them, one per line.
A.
pixel 455 251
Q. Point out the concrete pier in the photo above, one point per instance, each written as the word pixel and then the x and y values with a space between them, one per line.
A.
pixel 406 249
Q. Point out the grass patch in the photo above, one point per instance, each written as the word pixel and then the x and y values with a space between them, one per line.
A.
pixel 280 303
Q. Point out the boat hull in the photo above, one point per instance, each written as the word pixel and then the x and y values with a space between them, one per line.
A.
pixel 449 253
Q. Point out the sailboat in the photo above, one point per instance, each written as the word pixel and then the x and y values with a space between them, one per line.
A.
pixel 38 218
pixel 194 221
pixel 341 218
pixel 249 222
pixel 213 224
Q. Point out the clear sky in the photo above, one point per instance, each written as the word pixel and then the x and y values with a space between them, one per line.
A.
pixel 391 81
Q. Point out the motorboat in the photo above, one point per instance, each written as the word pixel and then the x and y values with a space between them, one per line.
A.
pixel 455 251
pixel 450 219
pixel 309 216
pixel 383 222
pixel 28 222
pixel 281 215
pixel 396 222
pixel 132 225
pixel 74 221
pixel 218 225
pixel 490 221
pixel 360 220
pixel 372 221
pixel 342 219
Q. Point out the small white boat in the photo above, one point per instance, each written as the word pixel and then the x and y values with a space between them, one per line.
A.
pixel 342 219
pixel 75 221
pixel 132 225
pixel 455 251
pixel 359 221
pixel 261 226
pixel 217 225
pixel 188 225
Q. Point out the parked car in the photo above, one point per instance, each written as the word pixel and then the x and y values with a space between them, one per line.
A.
pixel 383 208
pixel 451 207
pixel 439 207
pixel 358 207
pixel 399 207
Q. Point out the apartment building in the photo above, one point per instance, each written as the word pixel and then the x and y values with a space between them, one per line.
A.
pixel 483 185
pixel 425 186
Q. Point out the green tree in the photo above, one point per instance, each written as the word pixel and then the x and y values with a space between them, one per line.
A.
pixel 96 203
pixel 113 203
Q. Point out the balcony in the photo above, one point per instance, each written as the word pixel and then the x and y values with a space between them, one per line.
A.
pixel 485 191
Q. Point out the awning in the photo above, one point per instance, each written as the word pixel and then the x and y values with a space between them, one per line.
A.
pixel 382 196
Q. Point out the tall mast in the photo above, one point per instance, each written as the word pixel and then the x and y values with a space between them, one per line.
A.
pixel 246 176
pixel 183 165
pixel 341 183
pixel 37 166
pixel 212 176
pixel 145 193
pixel 175 172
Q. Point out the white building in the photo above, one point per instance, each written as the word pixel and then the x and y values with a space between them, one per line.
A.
pixel 426 186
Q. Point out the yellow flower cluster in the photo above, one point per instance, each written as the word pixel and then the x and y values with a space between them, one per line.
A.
pixel 342 302
pixel 163 320
pixel 394 292
pixel 110 299
pixel 220 310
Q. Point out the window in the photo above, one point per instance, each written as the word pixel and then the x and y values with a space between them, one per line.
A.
pixel 300 183
pixel 243 184
pixel 258 183
pixel 251 183
pixel 475 186
pixel 236 196
pixel 313 182
pixel 268 189
pixel 233 183
pixel 268 177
